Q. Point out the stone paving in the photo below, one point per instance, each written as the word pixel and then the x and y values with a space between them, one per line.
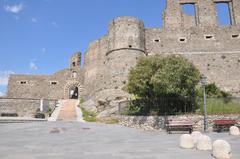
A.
pixel 74 140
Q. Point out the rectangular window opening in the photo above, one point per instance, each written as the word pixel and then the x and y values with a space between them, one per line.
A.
pixel 183 39
pixel 54 83
pixel 190 10
pixel 209 37
pixel 223 14
pixel 23 82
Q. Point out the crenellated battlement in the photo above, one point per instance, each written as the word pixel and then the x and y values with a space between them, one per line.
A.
pixel 205 13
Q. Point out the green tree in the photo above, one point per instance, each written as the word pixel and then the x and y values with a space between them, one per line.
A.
pixel 163 85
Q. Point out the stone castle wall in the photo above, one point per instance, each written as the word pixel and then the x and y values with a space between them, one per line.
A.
pixel 175 18
pixel 43 86
pixel 23 107
pixel 213 49
pixel 217 58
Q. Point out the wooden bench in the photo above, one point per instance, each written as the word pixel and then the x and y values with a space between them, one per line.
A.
pixel 223 125
pixel 9 115
pixel 179 125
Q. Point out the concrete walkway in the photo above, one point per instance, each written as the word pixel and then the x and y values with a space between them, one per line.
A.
pixel 68 111
pixel 74 140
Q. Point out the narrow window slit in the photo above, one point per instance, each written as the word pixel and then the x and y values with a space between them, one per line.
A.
pixel 234 36
pixel 182 39
pixel 209 37
pixel 54 83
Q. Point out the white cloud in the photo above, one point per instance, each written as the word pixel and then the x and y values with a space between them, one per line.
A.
pixel 55 25
pixel 33 66
pixel 4 75
pixel 14 8
pixel 34 20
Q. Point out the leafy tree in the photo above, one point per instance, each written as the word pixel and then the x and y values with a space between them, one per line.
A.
pixel 163 85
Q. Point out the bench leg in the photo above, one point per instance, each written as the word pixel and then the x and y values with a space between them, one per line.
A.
pixel 190 131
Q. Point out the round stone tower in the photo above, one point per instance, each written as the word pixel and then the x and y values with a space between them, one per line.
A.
pixel 126 43
pixel 126 33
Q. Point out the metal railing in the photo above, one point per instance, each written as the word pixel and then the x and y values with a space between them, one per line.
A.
pixel 180 106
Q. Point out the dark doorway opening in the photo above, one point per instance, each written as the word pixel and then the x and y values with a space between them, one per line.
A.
pixel 73 93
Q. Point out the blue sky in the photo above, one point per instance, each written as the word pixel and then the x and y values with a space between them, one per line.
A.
pixel 39 36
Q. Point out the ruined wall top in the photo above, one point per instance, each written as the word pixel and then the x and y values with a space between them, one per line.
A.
pixel 205 13
pixel 75 61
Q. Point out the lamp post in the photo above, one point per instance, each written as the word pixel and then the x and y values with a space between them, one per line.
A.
pixel 204 82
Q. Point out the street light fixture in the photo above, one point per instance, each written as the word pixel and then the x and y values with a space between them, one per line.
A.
pixel 204 82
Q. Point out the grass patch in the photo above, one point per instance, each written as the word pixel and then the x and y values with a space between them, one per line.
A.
pixel 222 106
pixel 88 116
pixel 82 100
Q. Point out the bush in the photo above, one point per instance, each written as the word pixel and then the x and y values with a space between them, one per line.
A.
pixel 88 116
pixel 40 115
pixel 213 91
pixel 82 100
pixel 162 85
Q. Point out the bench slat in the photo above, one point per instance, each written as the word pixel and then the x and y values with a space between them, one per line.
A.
pixel 225 124
pixel 178 125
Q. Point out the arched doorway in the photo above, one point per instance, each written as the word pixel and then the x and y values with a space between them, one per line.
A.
pixel 73 93
pixel 73 90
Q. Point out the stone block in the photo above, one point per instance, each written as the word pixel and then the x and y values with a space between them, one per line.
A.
pixel 196 135
pixel 234 131
pixel 204 143
pixel 186 141
pixel 222 149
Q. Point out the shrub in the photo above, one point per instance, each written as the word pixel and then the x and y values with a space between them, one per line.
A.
pixel 88 116
pixel 213 91
pixel 40 115
pixel 82 100
pixel 162 85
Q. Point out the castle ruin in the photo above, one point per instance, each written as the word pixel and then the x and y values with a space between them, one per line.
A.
pixel 213 49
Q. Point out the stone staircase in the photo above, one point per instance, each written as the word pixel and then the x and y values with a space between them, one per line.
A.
pixel 67 110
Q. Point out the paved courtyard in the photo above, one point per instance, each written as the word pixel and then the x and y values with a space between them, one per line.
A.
pixel 74 140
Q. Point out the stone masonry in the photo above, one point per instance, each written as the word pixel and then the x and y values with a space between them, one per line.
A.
pixel 215 50
pixel 158 122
